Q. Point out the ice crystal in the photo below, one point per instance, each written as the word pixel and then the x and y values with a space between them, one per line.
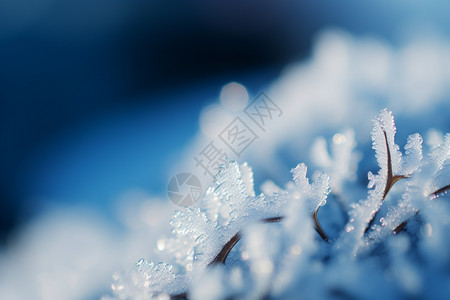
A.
pixel 393 167
pixel 148 280
pixel 234 226
pixel 315 193
pixel 198 233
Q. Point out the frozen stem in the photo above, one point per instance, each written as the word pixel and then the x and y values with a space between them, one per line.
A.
pixel 441 191
pixel 391 179
pixel 223 254
pixel 182 296
pixel 399 227
pixel 221 257
pixel 319 228
pixel 433 195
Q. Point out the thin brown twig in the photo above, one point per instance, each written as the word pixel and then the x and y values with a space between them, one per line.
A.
pixel 182 296
pixel 399 227
pixel 391 178
pixel 319 228
pixel 445 189
pixel 402 225
pixel 221 257
pixel 223 254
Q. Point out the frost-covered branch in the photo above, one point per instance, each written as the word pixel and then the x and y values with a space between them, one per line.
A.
pixel 223 254
pixel 318 227
pixel 434 195
pixel 390 178
pixel 272 260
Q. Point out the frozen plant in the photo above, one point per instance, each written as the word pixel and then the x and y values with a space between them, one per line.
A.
pixel 393 244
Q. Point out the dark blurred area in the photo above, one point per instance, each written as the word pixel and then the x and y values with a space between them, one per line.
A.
pixel 66 64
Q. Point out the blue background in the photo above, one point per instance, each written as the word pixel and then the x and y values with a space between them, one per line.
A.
pixel 99 97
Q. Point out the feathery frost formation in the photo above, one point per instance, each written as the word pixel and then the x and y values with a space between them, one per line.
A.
pixel 237 244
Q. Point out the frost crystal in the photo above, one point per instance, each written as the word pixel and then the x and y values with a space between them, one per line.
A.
pixel 240 245
pixel 393 167
pixel 315 193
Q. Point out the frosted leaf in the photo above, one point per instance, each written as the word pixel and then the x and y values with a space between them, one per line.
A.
pixel 233 186
pixel 321 189
pixel 441 153
pixel 156 275
pixel 405 209
pixel 230 187
pixel 299 177
pixel 314 194
pixel 190 222
pixel 383 134
pixel 359 217
pixel 234 191
pixel 441 180
pixel 411 167
pixel 214 208
pixel 393 166
pixel 273 260
pixel 372 180
pixel 437 166
pixel 390 161
pixel 247 179
pixel 146 281
pixel 413 154
pixel 199 233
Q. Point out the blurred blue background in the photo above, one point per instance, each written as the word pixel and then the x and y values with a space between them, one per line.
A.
pixel 97 97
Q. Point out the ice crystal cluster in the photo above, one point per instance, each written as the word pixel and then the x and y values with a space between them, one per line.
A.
pixel 312 238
